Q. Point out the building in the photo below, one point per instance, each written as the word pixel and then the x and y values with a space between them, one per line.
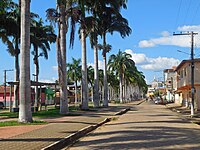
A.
pixel 170 81
pixel 184 83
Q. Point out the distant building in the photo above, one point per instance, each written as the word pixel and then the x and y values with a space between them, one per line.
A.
pixel 170 81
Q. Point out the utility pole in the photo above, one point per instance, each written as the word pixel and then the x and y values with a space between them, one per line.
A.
pixel 192 68
pixel 5 86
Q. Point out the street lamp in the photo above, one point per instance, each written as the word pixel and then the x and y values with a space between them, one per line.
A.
pixel 5 86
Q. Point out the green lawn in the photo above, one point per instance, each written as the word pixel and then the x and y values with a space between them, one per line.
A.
pixel 16 123
pixel 52 112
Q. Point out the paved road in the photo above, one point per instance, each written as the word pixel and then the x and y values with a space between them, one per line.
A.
pixel 40 136
pixel 149 126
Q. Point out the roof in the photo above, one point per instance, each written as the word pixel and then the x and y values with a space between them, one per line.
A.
pixel 168 70
pixel 186 61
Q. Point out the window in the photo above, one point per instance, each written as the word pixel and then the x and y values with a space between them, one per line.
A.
pixel 185 72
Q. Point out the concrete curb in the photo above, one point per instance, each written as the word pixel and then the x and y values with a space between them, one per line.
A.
pixel 75 136
pixel 141 102
pixel 122 111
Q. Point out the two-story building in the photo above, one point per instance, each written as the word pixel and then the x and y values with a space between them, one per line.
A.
pixel 170 80
pixel 184 82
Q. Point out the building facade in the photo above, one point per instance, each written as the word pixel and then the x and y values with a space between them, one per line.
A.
pixel 184 83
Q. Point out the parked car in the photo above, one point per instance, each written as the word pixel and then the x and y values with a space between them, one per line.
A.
pixel 158 100
pixel 1 105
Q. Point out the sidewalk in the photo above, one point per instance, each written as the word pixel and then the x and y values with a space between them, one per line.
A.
pixel 184 113
pixel 39 136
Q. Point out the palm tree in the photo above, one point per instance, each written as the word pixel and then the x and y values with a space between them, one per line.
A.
pixel 25 114
pixel 106 49
pixel 121 63
pixel 93 24
pixel 10 35
pixel 61 16
pixel 90 71
pixel 9 32
pixel 74 73
pixel 112 21
pixel 42 37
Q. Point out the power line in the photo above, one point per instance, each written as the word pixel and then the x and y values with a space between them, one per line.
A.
pixel 195 13
pixel 187 12
pixel 178 13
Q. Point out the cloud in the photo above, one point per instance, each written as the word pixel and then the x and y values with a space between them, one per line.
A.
pixel 138 58
pixel 55 68
pixel 166 39
pixel 100 64
pixel 146 43
pixel 52 80
pixel 147 63
pixel 165 33
pixel 189 28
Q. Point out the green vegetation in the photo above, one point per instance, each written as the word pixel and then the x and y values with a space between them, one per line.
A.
pixel 16 123
pixel 53 112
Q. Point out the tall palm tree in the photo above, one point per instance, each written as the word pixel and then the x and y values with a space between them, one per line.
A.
pixel 90 71
pixel 61 16
pixel 106 48
pixel 112 21
pixel 42 37
pixel 25 114
pixel 120 63
pixel 10 35
pixel 74 73
pixel 96 8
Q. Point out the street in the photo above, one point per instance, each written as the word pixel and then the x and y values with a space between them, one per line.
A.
pixel 146 126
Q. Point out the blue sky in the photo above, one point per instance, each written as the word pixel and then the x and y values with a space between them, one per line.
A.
pixel 151 43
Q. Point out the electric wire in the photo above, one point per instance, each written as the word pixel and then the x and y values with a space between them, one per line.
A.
pixel 188 9
pixel 178 14
pixel 193 19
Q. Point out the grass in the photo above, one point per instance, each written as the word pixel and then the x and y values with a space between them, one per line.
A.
pixel 16 123
pixel 52 112
pixel 9 114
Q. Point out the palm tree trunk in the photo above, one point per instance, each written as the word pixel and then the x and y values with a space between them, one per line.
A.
pixel 76 97
pixel 84 88
pixel 120 88
pixel 105 102
pixel 63 82
pixel 25 114
pixel 16 87
pixel 36 78
pixel 96 77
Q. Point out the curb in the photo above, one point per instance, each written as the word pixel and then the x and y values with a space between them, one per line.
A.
pixel 141 102
pixel 122 111
pixel 75 136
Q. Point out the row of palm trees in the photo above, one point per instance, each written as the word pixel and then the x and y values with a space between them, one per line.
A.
pixel 95 19
pixel 40 38
pixel 123 76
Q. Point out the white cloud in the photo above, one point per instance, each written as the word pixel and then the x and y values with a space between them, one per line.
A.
pixel 138 58
pixel 52 80
pixel 100 64
pixel 146 43
pixel 160 63
pixel 55 68
pixel 165 33
pixel 189 28
pixel 166 39
pixel 147 63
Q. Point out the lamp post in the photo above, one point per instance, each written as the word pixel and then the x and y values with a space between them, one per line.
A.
pixel 5 86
